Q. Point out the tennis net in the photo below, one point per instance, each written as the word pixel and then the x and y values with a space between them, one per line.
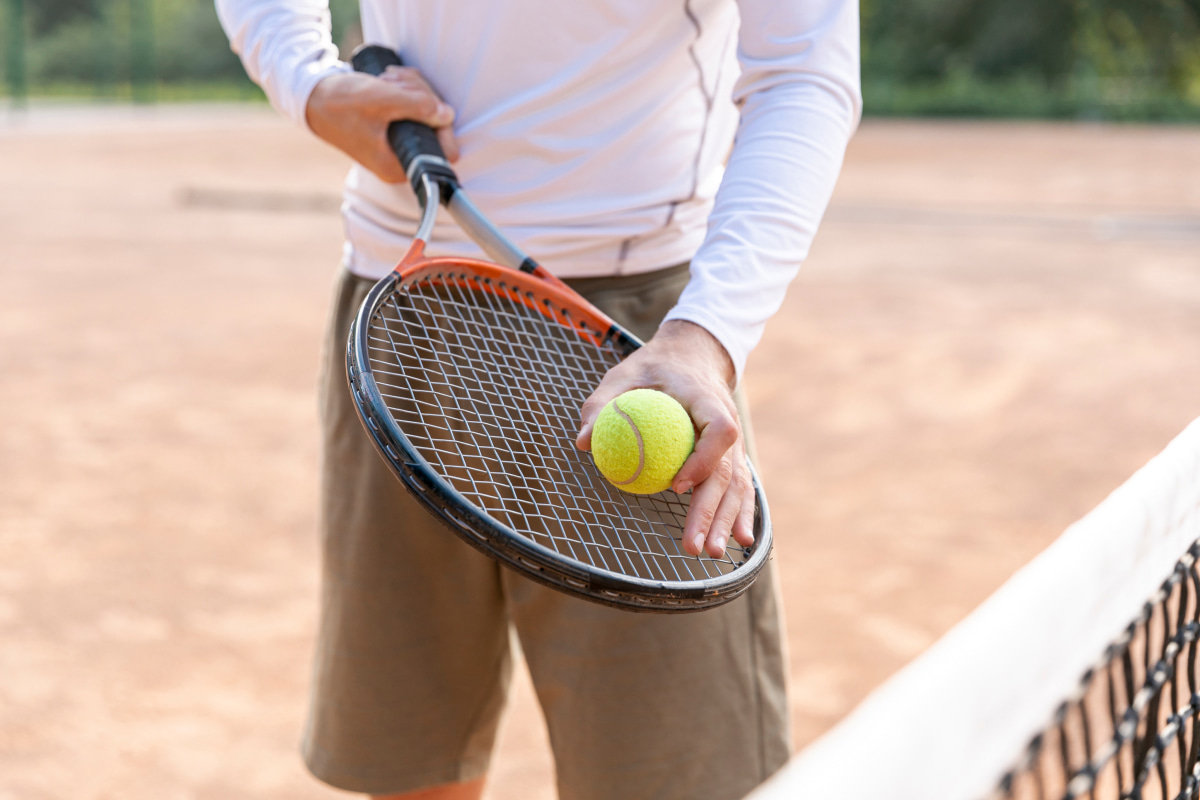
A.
pixel 1079 678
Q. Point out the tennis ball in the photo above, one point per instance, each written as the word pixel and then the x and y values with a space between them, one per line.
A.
pixel 641 439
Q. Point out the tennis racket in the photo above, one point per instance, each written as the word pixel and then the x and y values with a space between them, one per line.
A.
pixel 469 377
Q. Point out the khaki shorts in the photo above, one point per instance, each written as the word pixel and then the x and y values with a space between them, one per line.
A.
pixel 413 659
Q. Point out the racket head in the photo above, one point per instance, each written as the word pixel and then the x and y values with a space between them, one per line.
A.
pixel 469 377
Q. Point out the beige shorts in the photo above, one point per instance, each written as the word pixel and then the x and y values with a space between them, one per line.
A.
pixel 413 660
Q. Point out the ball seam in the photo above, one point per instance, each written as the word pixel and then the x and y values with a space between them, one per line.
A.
pixel 640 446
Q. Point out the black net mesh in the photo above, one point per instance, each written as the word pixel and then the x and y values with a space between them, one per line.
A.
pixel 486 382
pixel 1132 731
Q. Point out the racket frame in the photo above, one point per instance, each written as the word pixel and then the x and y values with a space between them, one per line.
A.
pixel 433 180
pixel 493 537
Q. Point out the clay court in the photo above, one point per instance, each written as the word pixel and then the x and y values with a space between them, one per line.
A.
pixel 999 323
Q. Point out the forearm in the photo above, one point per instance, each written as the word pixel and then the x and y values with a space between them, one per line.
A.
pixel 799 99
pixel 776 189
pixel 285 46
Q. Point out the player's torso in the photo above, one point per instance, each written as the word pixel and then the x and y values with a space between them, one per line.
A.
pixel 482 52
pixel 598 118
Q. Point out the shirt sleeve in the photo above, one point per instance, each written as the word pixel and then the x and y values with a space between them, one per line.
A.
pixel 800 100
pixel 285 46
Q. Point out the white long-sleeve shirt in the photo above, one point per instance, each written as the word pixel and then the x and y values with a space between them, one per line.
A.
pixel 594 132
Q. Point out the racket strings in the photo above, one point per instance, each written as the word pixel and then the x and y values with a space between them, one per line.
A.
pixel 488 390
pixel 547 374
pixel 509 400
pixel 504 390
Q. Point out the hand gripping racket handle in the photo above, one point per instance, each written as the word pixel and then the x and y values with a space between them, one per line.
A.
pixel 421 155
pixel 415 143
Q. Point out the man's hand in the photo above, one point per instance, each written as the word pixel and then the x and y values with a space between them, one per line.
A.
pixel 688 363
pixel 351 111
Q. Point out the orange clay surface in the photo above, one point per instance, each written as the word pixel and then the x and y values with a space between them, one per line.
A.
pixel 998 324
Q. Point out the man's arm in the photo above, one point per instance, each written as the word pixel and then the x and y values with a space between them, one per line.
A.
pixel 286 48
pixel 800 101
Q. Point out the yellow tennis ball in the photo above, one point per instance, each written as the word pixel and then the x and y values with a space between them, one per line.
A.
pixel 641 439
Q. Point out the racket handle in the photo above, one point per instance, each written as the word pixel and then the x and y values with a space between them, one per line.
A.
pixel 373 59
pixel 415 143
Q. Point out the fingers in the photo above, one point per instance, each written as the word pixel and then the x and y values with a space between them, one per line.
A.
pixel 743 526
pixel 615 382
pixel 723 505
pixel 402 93
pixel 410 96
pixel 716 421
pixel 706 504
pixel 449 143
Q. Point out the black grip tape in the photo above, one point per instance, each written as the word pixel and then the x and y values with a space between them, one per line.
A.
pixel 373 59
pixel 409 139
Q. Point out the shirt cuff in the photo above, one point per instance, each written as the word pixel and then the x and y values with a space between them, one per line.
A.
pixel 308 79
pixel 737 342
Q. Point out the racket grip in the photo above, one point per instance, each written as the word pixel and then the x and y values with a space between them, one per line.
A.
pixel 373 59
pixel 414 143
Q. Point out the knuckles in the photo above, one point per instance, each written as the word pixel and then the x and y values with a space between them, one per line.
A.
pixel 704 516
pixel 426 105
pixel 724 431
pixel 723 472
pixel 409 95
pixel 401 75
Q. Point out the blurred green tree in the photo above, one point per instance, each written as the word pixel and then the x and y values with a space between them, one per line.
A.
pixel 103 42
pixel 1154 39
pixel 14 50
pixel 1072 52
pixel 924 39
pixel 46 15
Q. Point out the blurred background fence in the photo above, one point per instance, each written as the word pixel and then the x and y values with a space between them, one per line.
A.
pixel 1090 59
pixel 121 50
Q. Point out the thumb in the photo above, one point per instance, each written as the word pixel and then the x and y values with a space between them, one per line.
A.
pixel 606 391
pixel 442 116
